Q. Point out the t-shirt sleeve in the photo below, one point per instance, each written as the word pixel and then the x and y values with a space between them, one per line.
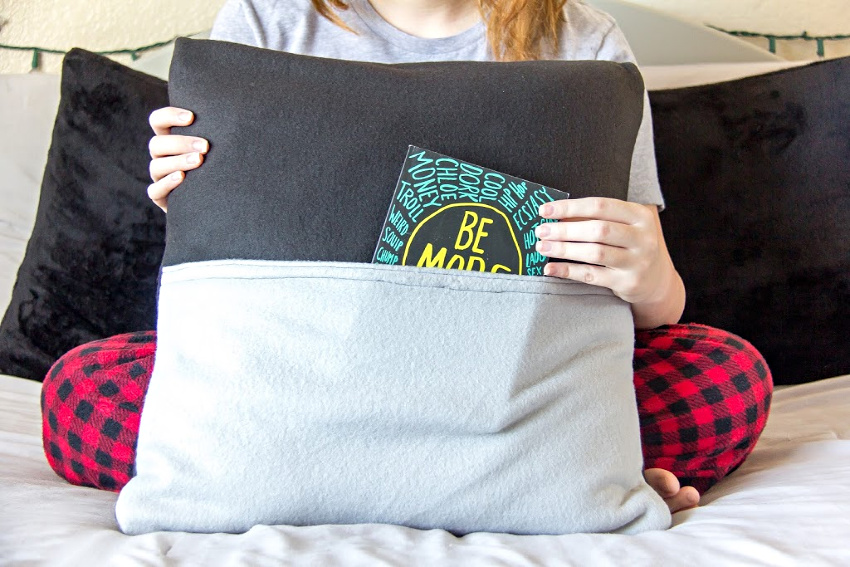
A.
pixel 643 183
pixel 238 22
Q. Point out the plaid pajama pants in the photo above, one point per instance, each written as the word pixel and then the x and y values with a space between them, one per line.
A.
pixel 703 397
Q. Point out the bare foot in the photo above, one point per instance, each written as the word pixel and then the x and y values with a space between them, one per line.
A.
pixel 667 486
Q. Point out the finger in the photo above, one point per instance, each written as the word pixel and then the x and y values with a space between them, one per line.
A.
pixel 160 190
pixel 593 275
pixel 171 145
pixel 592 253
pixel 161 167
pixel 600 208
pixel 162 119
pixel 601 232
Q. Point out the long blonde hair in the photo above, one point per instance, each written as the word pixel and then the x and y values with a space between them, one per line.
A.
pixel 517 30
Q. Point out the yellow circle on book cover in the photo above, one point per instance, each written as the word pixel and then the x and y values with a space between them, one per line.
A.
pixel 465 236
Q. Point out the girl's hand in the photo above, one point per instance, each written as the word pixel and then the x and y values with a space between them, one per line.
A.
pixel 172 155
pixel 624 250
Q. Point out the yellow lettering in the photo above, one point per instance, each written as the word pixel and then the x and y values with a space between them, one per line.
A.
pixel 466 228
pixel 458 258
pixel 472 261
pixel 497 267
pixel 428 260
pixel 481 234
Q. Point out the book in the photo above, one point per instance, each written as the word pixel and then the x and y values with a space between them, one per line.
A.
pixel 449 213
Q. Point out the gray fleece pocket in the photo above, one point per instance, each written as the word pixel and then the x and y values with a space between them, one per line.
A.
pixel 312 393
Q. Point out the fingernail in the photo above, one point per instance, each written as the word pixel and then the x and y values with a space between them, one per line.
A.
pixel 200 146
pixel 185 116
pixel 546 210
pixel 193 159
pixel 542 231
pixel 176 175
pixel 543 246
pixel 547 270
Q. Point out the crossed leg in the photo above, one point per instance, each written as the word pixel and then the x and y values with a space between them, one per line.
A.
pixel 702 394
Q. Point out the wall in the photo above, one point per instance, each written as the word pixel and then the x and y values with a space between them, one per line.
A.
pixel 101 25
pixel 774 17
pixel 97 25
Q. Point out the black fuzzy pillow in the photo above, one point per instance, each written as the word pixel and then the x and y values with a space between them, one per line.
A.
pixel 305 152
pixel 92 262
pixel 756 176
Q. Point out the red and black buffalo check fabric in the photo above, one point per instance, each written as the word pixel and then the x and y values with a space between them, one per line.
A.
pixel 91 402
pixel 703 397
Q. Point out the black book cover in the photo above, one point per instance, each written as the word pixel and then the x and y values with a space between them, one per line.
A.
pixel 448 213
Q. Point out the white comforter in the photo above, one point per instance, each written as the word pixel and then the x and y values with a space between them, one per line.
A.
pixel 789 504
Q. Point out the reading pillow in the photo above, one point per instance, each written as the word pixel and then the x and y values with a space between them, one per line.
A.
pixel 93 257
pixel 310 149
pixel 296 392
pixel 756 177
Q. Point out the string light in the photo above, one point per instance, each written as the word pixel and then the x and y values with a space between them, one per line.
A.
pixel 772 38
pixel 134 53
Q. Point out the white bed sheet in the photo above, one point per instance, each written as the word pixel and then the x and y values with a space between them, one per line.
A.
pixel 789 504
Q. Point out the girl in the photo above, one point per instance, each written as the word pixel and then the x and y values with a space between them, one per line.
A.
pixel 703 394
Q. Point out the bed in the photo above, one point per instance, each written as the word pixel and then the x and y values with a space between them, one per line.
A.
pixel 787 505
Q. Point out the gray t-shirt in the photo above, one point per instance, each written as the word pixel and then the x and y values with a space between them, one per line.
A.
pixel 295 26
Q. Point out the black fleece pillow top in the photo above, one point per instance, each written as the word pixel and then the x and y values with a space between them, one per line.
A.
pixel 92 261
pixel 756 177
pixel 305 152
